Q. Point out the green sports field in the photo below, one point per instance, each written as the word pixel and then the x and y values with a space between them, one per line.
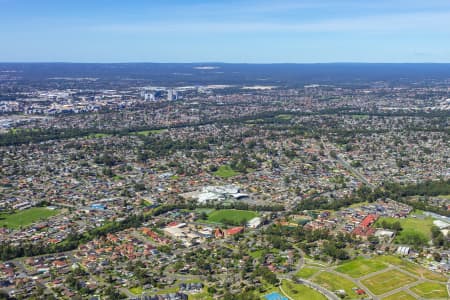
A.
pixel 430 290
pixel 387 281
pixel 360 267
pixel 231 216
pixel 26 217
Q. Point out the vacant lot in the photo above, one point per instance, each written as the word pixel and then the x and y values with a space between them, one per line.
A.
pixel 412 268
pixel 387 281
pixel 300 291
pixel 335 282
pixel 231 216
pixel 306 272
pixel 360 267
pixel 26 217
pixel 430 290
pixel 400 296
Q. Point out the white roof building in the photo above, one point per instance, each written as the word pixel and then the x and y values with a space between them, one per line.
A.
pixel 402 250
pixel 441 224
pixel 254 223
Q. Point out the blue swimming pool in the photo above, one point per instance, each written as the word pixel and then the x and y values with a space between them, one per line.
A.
pixel 275 296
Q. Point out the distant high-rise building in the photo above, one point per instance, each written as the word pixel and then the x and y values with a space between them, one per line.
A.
pixel 172 95
pixel 149 97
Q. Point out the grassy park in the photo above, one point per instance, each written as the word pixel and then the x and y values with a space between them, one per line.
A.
pixel 26 217
pixel 225 171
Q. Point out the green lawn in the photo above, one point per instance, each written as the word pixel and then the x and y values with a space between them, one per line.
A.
pixel 231 216
pixel 430 290
pixel 387 281
pixel 400 296
pixel 335 282
pixel 136 290
pixel 360 267
pixel 306 272
pixel 225 171
pixel 300 291
pixel 258 253
pixel 26 217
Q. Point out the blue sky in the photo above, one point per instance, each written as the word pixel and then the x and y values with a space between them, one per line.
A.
pixel 253 31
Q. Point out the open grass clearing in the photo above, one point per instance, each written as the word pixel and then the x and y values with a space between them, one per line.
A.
pixel 300 291
pixel 360 267
pixel 26 217
pixel 430 290
pixel 387 281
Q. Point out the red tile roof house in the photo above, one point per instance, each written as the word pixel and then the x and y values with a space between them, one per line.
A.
pixel 234 231
pixel 364 229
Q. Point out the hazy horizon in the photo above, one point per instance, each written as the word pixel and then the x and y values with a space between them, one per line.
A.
pixel 247 31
